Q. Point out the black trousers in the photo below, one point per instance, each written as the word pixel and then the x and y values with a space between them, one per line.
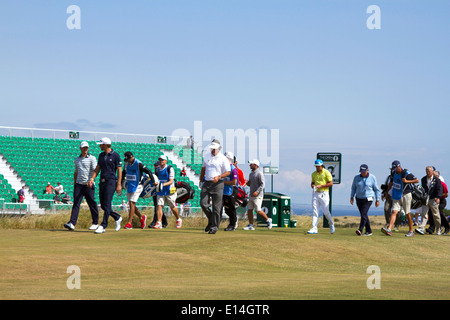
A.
pixel 363 207
pixel 80 191
pixel 106 194
pixel 230 209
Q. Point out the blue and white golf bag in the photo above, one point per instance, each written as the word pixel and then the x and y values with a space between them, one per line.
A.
pixel 150 188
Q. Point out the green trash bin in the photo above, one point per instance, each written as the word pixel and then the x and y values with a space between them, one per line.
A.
pixel 285 210
pixel 278 207
pixel 271 209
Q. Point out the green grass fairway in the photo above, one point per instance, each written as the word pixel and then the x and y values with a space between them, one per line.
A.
pixel 187 264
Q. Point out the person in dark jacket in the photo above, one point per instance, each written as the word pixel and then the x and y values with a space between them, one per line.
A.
pixel 433 187
pixel 442 204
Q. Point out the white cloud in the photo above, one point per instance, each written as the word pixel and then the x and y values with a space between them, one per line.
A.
pixel 293 181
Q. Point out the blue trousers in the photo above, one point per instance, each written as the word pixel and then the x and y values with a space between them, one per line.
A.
pixel 363 206
pixel 106 194
pixel 80 191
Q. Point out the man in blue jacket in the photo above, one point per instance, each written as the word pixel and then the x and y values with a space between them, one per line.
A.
pixel 365 188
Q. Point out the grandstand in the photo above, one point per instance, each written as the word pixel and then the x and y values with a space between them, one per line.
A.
pixel 33 162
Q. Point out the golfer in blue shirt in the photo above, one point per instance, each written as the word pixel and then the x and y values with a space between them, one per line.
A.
pixel 365 188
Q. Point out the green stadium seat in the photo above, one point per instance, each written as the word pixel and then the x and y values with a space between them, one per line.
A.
pixel 57 166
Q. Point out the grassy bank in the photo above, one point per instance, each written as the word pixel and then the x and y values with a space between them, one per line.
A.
pixel 187 264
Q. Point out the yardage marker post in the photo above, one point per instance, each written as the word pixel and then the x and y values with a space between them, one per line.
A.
pixel 332 161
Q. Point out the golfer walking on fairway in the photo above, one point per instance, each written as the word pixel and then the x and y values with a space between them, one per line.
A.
pixel 365 189
pixel 321 181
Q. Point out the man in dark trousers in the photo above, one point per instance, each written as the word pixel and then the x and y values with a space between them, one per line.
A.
pixel 228 199
pixel 215 168
pixel 85 165
pixel 366 191
pixel 109 163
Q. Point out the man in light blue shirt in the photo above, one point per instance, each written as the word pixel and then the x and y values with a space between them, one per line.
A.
pixel 365 188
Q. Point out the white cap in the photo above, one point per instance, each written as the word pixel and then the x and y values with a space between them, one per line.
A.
pixel 104 140
pixel 84 144
pixel 254 161
pixel 163 157
pixel 229 155
pixel 214 145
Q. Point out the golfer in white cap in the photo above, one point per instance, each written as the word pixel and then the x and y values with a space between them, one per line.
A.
pixel 85 165
pixel 214 169
pixel 256 182
pixel 109 165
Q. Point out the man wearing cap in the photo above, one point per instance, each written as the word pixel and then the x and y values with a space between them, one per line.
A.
pixel 228 200
pixel 365 188
pixel 167 193
pixel 214 169
pixel 156 165
pixel 321 181
pixel 49 189
pixel 132 173
pixel 401 185
pixel 256 182
pixel 85 165
pixel 109 163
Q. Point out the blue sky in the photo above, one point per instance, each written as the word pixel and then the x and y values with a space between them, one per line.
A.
pixel 310 69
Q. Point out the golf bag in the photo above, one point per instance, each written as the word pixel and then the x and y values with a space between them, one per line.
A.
pixel 149 189
pixel 419 197
pixel 184 191
pixel 240 197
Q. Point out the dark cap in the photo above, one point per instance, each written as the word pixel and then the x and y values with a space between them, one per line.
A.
pixel 363 168
pixel 128 155
pixel 395 164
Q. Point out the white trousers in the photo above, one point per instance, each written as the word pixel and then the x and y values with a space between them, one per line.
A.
pixel 321 200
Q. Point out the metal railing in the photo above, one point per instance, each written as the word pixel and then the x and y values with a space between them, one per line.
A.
pixel 87 135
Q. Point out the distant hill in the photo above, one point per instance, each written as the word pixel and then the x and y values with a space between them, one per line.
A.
pixel 337 210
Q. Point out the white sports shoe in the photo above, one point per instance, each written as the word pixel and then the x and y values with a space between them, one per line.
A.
pixel 332 229
pixel 118 224
pixel 93 227
pixel 100 229
pixel 69 226
pixel 249 227
pixel 158 225
pixel 312 231
pixel 269 223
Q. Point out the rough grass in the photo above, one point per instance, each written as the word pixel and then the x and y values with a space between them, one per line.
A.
pixel 187 264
